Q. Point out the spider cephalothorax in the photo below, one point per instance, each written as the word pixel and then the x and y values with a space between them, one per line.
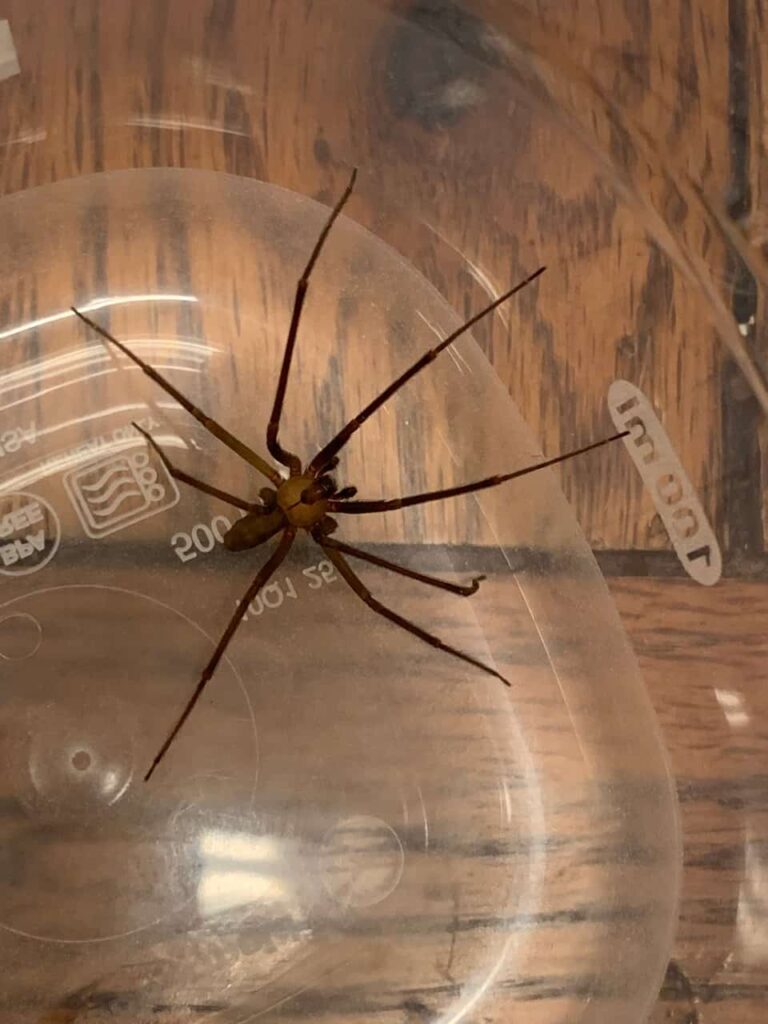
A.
pixel 304 498
pixel 300 501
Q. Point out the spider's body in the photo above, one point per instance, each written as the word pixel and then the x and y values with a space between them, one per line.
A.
pixel 301 502
pixel 254 529
pixel 303 499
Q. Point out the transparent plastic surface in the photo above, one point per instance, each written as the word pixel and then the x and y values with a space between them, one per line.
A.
pixel 351 822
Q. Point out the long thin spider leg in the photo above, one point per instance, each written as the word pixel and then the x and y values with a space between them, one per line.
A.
pixel 388 504
pixel 364 594
pixel 259 581
pixel 433 581
pixel 276 450
pixel 337 442
pixel 193 481
pixel 210 424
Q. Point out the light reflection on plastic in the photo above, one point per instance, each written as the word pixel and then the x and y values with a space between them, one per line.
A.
pixel 238 869
pixel 39 392
pixel 110 782
pixel 90 307
pixel 49 467
pixel 453 352
pixel 476 271
pixel 25 137
pixel 751 916
pixel 177 124
pixel 9 60
pixel 238 846
pixel 732 704
pixel 41 371
pixel 89 416
pixel 71 459
pixel 57 366
pixel 49 367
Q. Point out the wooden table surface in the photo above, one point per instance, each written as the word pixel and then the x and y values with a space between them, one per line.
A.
pixel 651 223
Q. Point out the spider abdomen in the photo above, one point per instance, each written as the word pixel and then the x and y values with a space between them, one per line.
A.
pixel 253 529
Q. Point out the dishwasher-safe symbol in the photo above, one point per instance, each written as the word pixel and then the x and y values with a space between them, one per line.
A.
pixel 119 491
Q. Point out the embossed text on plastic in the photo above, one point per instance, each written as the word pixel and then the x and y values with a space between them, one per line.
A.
pixel 676 502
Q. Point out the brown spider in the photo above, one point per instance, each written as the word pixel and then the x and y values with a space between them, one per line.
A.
pixel 305 499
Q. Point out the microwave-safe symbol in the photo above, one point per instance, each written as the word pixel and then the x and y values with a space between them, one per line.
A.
pixel 119 491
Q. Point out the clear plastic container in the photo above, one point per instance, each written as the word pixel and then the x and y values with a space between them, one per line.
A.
pixel 351 823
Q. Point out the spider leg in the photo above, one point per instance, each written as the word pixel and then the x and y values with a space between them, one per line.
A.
pixel 389 504
pixel 347 431
pixel 433 581
pixel 223 435
pixel 193 481
pixel 276 450
pixel 261 578
pixel 364 594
